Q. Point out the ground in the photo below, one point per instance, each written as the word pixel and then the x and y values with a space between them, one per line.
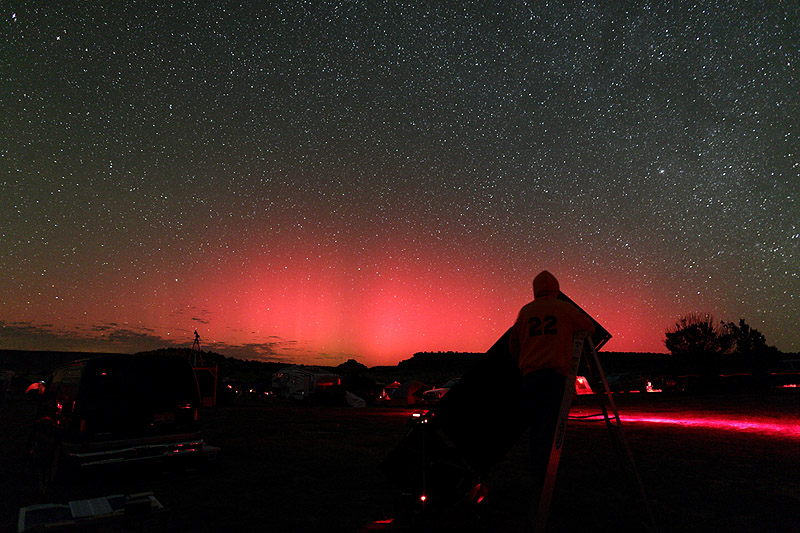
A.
pixel 286 467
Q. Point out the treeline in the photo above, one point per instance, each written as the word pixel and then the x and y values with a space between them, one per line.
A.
pixel 700 344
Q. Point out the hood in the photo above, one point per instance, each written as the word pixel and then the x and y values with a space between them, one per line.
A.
pixel 545 285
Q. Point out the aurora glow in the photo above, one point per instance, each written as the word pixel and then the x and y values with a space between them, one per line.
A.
pixel 318 181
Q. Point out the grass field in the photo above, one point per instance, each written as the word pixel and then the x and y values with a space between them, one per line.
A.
pixel 306 468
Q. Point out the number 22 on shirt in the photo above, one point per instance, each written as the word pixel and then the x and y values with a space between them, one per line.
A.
pixel 546 326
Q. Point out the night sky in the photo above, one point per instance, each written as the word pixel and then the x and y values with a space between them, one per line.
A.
pixel 318 181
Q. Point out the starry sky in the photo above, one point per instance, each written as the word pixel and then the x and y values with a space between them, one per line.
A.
pixel 311 182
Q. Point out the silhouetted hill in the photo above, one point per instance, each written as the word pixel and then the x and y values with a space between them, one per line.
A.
pixel 432 368
pixel 39 362
pixel 244 370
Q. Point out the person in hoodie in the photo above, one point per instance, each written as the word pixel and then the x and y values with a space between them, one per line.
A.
pixel 541 340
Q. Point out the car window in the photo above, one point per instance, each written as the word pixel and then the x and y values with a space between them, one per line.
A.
pixel 121 394
pixel 155 381
pixel 64 386
pixel 170 380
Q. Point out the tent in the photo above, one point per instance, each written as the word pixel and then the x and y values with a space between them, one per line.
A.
pixel 582 386
pixel 409 393
pixel 353 400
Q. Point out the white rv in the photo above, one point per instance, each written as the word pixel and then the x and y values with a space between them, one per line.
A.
pixel 300 382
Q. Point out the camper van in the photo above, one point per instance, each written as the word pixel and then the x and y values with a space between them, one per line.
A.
pixel 299 383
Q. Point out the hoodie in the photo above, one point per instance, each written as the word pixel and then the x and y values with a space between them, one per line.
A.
pixel 543 333
pixel 545 285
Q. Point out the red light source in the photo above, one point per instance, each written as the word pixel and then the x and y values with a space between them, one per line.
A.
pixel 651 389
pixel 478 493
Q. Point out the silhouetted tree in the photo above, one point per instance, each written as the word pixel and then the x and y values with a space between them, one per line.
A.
pixel 750 352
pixel 697 343
pixel 700 345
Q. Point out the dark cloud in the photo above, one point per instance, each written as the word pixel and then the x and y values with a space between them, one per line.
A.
pixel 201 316
pixel 103 337
pixel 272 349
pixel 110 337
pixel 104 327
pixel 277 349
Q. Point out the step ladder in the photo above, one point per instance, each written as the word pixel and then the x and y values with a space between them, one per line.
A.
pixel 582 343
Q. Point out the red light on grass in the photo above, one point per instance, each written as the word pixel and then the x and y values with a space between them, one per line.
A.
pixel 768 427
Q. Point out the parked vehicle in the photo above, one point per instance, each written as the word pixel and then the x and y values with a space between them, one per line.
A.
pixel 117 409
pixel 434 395
pixel 627 383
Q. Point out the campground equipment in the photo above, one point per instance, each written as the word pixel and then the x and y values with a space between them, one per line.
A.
pixel 117 512
pixel 447 454
pixel 207 376
pixel 582 345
